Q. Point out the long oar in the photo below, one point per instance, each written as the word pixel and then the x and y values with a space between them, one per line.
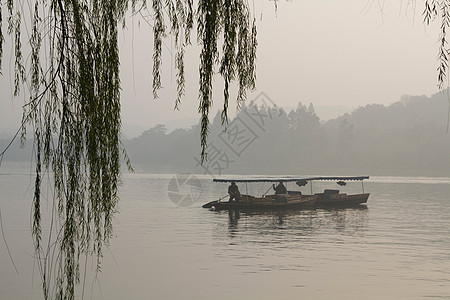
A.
pixel 223 197
pixel 267 191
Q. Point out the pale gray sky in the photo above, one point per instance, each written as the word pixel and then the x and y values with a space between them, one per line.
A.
pixel 329 53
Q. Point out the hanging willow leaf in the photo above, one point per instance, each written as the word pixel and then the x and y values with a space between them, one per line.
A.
pixel 73 107
pixel 440 10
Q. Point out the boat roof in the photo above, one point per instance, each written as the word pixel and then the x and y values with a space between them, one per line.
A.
pixel 291 179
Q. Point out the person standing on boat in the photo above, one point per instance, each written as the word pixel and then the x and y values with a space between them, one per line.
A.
pixel 280 188
pixel 233 191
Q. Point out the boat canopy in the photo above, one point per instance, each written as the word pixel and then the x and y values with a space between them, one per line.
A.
pixel 343 178
pixel 290 179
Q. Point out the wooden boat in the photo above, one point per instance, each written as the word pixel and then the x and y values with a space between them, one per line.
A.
pixel 333 197
pixel 293 198
pixel 265 202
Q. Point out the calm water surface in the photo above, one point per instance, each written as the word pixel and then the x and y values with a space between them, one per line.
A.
pixel 396 247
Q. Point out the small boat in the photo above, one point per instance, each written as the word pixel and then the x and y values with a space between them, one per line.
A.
pixel 292 198
pixel 270 202
pixel 333 197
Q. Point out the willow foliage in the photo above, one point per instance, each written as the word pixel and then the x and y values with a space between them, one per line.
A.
pixel 73 87
pixel 440 10
pixel 67 66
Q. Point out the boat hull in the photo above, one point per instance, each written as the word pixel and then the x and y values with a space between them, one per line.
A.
pixel 341 199
pixel 272 202
pixel 275 202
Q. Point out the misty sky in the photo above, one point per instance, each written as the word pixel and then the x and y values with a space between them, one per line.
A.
pixel 338 54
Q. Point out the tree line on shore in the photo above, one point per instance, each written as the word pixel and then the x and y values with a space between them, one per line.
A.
pixel 407 137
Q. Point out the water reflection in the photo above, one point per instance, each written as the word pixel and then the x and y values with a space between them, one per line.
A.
pixel 233 217
pixel 341 221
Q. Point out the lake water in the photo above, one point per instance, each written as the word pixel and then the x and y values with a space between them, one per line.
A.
pixel 396 247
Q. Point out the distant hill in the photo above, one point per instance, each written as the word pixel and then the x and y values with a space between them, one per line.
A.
pixel 408 137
